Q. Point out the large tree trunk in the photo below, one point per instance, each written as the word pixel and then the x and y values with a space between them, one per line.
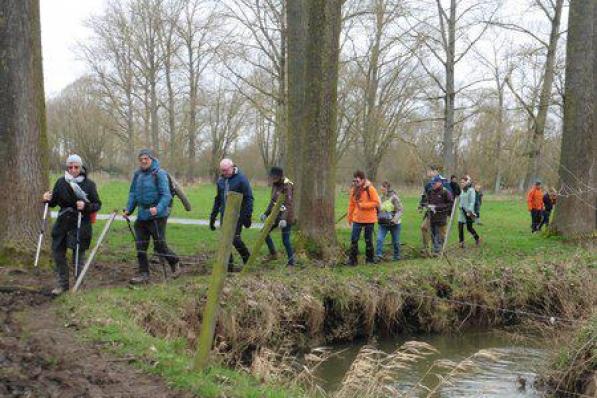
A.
pixel 296 21
pixel 575 212
pixel 538 132
pixel 499 133
pixel 450 99
pixel 316 213
pixel 23 142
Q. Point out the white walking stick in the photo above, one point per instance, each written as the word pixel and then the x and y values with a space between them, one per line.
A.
pixel 94 251
pixel 41 234
pixel 449 225
pixel 79 216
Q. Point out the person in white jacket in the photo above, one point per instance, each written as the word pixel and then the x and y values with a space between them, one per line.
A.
pixel 466 214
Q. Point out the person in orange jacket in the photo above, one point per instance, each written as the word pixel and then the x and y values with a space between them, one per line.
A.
pixel 362 214
pixel 535 205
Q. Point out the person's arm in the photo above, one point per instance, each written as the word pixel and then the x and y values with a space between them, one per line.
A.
pixel 165 197
pixel 288 192
pixel 94 204
pixel 270 205
pixel 54 201
pixel 217 203
pixel 398 208
pixel 248 194
pixel 372 201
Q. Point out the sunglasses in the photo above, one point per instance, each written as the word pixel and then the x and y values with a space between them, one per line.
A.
pixel 73 167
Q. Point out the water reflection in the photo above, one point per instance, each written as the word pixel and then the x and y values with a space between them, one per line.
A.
pixel 510 372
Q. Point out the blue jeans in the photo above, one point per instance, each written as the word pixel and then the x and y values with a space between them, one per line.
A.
pixel 285 242
pixel 394 230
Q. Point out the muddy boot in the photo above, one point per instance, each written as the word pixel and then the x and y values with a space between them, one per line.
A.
pixel 175 268
pixel 271 257
pixel 58 290
pixel 143 277
pixel 353 254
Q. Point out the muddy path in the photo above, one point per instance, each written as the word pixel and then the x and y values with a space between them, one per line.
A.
pixel 41 356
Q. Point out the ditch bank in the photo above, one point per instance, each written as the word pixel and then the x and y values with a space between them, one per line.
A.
pixel 291 311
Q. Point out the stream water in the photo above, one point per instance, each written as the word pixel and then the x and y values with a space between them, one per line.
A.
pixel 499 377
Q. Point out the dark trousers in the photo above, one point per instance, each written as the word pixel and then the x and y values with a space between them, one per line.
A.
pixel 64 234
pixel 285 242
pixel 240 246
pixel 469 227
pixel 536 216
pixel 354 241
pixel 156 229
pixel 545 218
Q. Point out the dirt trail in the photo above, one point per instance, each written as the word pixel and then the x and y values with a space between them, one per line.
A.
pixel 41 357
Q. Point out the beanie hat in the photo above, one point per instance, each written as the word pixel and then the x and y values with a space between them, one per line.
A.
pixel 146 152
pixel 74 159
pixel 276 172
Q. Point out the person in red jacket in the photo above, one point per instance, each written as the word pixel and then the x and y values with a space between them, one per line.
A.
pixel 362 214
pixel 535 205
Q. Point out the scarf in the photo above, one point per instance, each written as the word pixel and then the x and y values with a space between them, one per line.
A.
pixel 74 184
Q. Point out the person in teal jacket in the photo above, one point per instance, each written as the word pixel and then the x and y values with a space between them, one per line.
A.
pixel 466 214
pixel 150 192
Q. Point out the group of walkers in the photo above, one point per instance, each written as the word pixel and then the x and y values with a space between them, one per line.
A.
pixel 540 205
pixel 151 194
pixel 437 203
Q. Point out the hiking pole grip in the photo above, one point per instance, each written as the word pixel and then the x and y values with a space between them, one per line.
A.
pixel 41 234
pixel 94 251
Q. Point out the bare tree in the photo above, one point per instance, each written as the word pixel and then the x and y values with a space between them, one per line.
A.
pixel 447 38
pixel 226 116
pixel 552 10
pixel 23 142
pixel 577 209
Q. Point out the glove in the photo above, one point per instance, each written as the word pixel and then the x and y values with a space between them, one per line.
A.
pixel 212 224
pixel 247 222
pixel 263 217
pixel 283 224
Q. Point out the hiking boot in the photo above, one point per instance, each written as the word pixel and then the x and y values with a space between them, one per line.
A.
pixel 143 277
pixel 478 242
pixel 461 245
pixel 271 257
pixel 176 271
pixel 377 260
pixel 57 291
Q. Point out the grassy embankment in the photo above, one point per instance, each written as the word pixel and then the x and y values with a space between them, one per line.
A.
pixel 156 326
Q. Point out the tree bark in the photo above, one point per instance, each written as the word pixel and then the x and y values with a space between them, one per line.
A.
pixel 449 100
pixel 575 212
pixel 316 213
pixel 23 142
pixel 296 20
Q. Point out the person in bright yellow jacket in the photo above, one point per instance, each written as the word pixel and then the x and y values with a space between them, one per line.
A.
pixel 363 206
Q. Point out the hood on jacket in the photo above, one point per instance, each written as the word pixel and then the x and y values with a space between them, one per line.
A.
pixel 155 165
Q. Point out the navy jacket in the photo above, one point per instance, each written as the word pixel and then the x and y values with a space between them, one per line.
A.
pixel 236 183
pixel 150 188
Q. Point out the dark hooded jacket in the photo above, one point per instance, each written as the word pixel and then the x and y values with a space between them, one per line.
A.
pixel 236 183
pixel 442 200
pixel 150 188
pixel 286 187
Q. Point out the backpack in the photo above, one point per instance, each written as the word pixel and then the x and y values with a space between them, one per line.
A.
pixel 174 187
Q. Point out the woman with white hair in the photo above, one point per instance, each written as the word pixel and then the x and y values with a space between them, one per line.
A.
pixel 74 193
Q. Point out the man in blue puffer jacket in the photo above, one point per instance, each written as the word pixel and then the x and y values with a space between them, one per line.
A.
pixel 231 179
pixel 150 191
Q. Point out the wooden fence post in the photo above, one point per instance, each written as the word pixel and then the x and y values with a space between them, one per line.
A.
pixel 265 230
pixel 218 276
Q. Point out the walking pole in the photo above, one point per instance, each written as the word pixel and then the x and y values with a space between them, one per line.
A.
pixel 128 221
pixel 41 233
pixel 449 225
pixel 79 216
pixel 161 258
pixel 94 251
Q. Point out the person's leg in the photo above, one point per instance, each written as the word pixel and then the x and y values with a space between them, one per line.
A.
pixel 382 231
pixel 142 233
pixel 434 236
pixel 161 245
pixel 240 246
pixel 471 229
pixel 59 242
pixel 536 220
pixel 461 233
pixel 395 231
pixel 369 250
pixel 270 245
pixel 426 233
pixel 443 231
pixel 354 243
pixel 287 244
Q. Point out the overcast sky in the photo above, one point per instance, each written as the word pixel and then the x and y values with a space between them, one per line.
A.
pixel 61 28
